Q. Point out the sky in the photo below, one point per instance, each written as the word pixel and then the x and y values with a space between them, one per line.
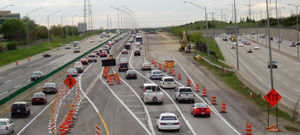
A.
pixel 149 13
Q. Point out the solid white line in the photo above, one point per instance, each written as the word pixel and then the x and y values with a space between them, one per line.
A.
pixel 11 73
pixel 1 77
pixel 28 80
pixel 297 90
pixel 291 74
pixel 7 81
pixel 213 108
pixel 3 93
pixel 177 107
pixel 277 78
pixel 284 70
pixel 19 76
pixel 298 79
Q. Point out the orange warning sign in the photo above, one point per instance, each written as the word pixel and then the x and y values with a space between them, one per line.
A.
pixel 70 81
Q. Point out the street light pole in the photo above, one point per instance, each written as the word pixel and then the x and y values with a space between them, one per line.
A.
pixel 27 39
pixel 62 26
pixel 202 7
pixel 73 28
pixel 49 26
pixel 297 14
pixel 236 41
pixel 6 7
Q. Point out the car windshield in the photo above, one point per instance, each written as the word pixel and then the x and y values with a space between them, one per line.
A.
pixel 185 90
pixel 36 73
pixel 151 88
pixel 168 118
pixel 3 123
pixel 49 85
pixel 92 56
pixel 71 70
pixel 47 52
pixel 200 105
pixel 169 80
pixel 157 72
pixel 38 95
pixel 146 64
pixel 131 72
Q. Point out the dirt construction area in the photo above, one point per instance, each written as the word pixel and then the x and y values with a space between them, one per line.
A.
pixel 164 46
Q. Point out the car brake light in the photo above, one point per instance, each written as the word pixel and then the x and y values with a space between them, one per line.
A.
pixel 127 65
pixel 6 128
pixel 162 98
pixel 119 66
pixel 25 110
pixel 208 110
pixel 163 83
pixel 178 95
pixel 146 98
pixel 174 82
pixel 44 88
pixel 152 75
pixel 162 123
pixel 177 123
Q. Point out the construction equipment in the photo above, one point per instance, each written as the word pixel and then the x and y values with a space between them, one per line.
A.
pixel 184 44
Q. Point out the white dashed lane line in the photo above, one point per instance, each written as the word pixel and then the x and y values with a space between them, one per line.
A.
pixel 291 74
pixel 3 93
pixel 297 90
pixel 7 81
pixel 18 86
pixel 277 78
pixel 285 84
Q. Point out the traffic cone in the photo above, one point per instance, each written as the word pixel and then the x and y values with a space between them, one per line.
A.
pixel 213 100
pixel 170 70
pixel 248 129
pixel 179 76
pixel 173 73
pixel 251 96
pixel 111 81
pixel 17 63
pixel 204 92
pixel 107 78
pixel 155 64
pixel 66 126
pixel 165 68
pixel 223 107
pixel 188 82
pixel 152 61
pixel 160 66
pixel 62 129
pixel 197 89
pixel 28 58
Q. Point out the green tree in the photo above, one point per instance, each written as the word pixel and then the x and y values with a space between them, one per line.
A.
pixel 42 32
pixel 13 29
pixel 32 32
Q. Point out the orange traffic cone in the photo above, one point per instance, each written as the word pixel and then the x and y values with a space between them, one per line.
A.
pixel 251 96
pixel 197 89
pixel 204 92
pixel 188 82
pixel 170 70
pixel 111 81
pixel 17 63
pixel 62 129
pixel 159 66
pixel 28 58
pixel 248 129
pixel 213 100
pixel 179 76
pixel 173 73
pixel 152 61
pixel 155 64
pixel 165 68
pixel 223 107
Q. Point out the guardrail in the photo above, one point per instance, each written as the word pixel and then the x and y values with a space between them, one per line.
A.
pixel 32 84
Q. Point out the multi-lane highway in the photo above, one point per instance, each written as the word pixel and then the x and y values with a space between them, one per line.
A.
pixel 124 112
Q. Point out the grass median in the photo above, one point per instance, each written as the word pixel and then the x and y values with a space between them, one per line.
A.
pixel 12 56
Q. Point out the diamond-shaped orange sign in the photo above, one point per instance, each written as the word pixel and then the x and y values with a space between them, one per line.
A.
pixel 273 97
pixel 70 81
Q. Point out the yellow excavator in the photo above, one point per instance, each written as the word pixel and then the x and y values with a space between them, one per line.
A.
pixel 184 44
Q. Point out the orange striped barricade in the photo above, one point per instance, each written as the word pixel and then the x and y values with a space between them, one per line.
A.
pixel 17 63
pixel 62 129
pixel 111 82
pixel 188 82
pixel 28 58
pixel 66 126
pixel 152 61
pixel 179 76
pixel 160 66
pixel 173 73
pixel 204 93
pixel 197 89
pixel 170 70
pixel 248 129
pixel 155 64
pixel 213 100
pixel 98 129
pixel 223 107
pixel 166 63
pixel 52 127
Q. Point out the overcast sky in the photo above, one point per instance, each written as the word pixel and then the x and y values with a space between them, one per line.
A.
pixel 150 13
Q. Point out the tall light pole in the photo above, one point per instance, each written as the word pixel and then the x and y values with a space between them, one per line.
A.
pixel 27 28
pixel 297 14
pixel 62 26
pixel 49 26
pixel 6 7
pixel 204 8
pixel 73 27
pixel 134 17
pixel 236 41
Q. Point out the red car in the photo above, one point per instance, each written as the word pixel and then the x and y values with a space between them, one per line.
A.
pixel 248 43
pixel 124 51
pixel 84 61
pixel 200 109
pixel 103 54
pixel 38 98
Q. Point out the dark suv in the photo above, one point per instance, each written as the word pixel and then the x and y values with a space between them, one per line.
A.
pixel 20 108
pixel 274 64
pixel 123 67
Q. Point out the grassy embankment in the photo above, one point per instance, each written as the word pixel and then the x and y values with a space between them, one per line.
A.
pixel 8 57
pixel 230 78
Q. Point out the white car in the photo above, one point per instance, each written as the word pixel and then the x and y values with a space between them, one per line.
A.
pixel 6 126
pixel 72 72
pixel 100 39
pixel 241 45
pixel 168 82
pixel 152 94
pixel 256 47
pixel 167 121
pixel 124 60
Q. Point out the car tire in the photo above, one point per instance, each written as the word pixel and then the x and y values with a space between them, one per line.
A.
pixel 208 115
pixel 178 130
pixel 193 101
pixel 12 116
pixel 26 115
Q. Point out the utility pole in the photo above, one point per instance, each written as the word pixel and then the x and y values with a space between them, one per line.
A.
pixel 250 15
pixel 221 14
pixel 236 41
pixel 107 22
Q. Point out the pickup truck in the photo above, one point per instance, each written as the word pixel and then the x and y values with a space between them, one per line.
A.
pixel 152 94
pixel 184 94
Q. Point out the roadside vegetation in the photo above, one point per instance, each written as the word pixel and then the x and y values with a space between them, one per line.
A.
pixel 228 77
pixel 13 39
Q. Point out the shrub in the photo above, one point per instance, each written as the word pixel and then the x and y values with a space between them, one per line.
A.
pixel 12 46
pixel 1 48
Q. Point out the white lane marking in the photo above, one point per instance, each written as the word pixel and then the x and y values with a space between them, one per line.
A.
pixel 298 79
pixel 214 109
pixel 291 74
pixel 11 73
pixel 3 93
pixel 297 90
pixel 7 81
pixel 285 84
pixel 284 70
pixel 28 80
pixel 277 78
pixel 177 107
pixel 18 86
pixel 35 117
pixel 19 76
pixel 127 108
pixel 1 77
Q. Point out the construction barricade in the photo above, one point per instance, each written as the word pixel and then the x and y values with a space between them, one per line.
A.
pixel 223 107
pixel 197 88
pixel 213 100
pixel 179 76
pixel 204 92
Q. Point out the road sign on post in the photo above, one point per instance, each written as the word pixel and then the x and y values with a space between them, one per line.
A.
pixel 70 81
pixel 273 97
